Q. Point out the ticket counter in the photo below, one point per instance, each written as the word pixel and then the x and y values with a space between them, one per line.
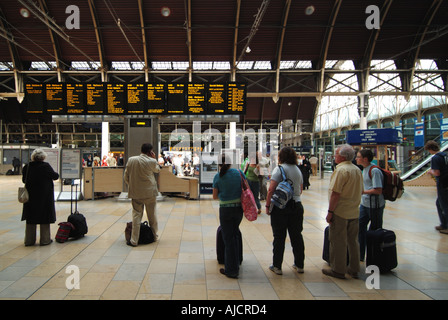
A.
pixel 102 179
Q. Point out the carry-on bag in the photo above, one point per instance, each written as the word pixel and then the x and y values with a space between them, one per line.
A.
pixel 146 234
pixel 77 219
pixel 63 232
pixel 220 246
pixel 326 249
pixel 381 246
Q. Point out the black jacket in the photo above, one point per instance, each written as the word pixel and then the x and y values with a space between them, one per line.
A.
pixel 39 183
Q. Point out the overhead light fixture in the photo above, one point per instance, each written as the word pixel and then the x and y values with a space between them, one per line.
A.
pixel 309 10
pixel 24 12
pixel 248 50
pixel 165 11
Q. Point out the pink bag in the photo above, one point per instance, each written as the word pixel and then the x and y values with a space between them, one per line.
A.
pixel 250 209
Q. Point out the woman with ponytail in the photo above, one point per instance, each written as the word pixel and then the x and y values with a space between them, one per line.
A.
pixel 227 188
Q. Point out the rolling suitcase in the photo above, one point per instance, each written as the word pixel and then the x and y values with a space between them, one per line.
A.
pixel 220 247
pixel 381 246
pixel 76 219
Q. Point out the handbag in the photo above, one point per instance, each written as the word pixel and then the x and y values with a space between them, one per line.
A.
pixel 248 204
pixel 23 195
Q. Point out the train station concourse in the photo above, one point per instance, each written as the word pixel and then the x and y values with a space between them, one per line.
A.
pixel 90 83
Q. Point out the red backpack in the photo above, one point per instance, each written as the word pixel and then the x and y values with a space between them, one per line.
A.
pixel 393 187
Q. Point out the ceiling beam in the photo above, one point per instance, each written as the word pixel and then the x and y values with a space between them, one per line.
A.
pixel 235 39
pixel 99 41
pixel 142 26
pixel 280 44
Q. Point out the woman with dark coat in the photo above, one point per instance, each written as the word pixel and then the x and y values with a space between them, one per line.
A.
pixel 38 177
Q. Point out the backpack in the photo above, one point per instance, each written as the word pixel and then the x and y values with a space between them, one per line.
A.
pixel 284 192
pixel 393 187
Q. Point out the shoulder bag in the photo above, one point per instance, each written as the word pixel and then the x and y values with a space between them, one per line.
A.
pixel 23 195
pixel 248 204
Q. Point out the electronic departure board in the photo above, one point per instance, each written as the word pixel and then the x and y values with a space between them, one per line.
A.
pixel 116 98
pixel 156 94
pixel 74 93
pixel 217 98
pixel 34 97
pixel 175 98
pixel 95 98
pixel 135 98
pixel 196 101
pixel 55 97
pixel 136 102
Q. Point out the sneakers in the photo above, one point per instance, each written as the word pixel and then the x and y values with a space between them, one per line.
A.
pixel 276 270
pixel 299 270
pixel 279 271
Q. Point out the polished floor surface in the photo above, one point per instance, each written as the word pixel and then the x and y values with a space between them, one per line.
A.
pixel 182 265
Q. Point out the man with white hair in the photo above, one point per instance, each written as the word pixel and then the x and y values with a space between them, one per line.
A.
pixel 345 190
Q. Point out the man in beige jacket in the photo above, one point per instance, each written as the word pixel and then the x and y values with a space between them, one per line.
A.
pixel 139 175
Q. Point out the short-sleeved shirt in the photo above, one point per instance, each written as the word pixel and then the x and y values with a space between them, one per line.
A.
pixel 293 173
pixel 229 186
pixel 347 181
pixel 438 163
pixel 371 183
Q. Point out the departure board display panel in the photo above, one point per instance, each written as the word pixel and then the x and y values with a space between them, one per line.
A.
pixel 136 102
pixel 75 98
pixel 136 98
pixel 175 98
pixel 196 98
pixel 156 95
pixel 95 98
pixel 116 98
pixel 236 98
pixel 35 97
pixel 217 98
pixel 55 98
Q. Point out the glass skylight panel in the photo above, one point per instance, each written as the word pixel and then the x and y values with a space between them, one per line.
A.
pixel 262 65
pixel 161 65
pixel 41 65
pixel 202 65
pixel 6 66
pixel 287 64
pixel 329 64
pixel 137 65
pixel 221 65
pixel 383 65
pixel 86 65
pixel 425 64
pixel 245 65
pixel 180 65
pixel 304 64
pixel 121 65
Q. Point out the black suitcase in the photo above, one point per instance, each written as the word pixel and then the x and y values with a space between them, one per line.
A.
pixel 77 219
pixel 381 247
pixel 220 247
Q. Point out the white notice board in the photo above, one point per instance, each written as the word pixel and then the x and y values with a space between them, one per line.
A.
pixel 70 164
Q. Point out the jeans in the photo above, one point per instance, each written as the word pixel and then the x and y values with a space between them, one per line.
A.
pixel 255 188
pixel 289 219
pixel 442 205
pixel 364 219
pixel 230 219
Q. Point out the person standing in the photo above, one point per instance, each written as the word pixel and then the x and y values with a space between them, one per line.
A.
pixel 139 176
pixel 345 189
pixel 371 197
pixel 313 161
pixel 251 171
pixel 439 169
pixel 227 188
pixel 38 177
pixel 289 219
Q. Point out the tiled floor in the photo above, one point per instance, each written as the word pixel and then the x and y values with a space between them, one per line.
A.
pixel 182 265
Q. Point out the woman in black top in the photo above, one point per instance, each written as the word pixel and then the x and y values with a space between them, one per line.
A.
pixel 38 177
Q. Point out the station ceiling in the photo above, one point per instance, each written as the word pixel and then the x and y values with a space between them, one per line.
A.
pixel 304 36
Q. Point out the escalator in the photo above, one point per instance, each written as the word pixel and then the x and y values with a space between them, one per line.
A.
pixel 416 168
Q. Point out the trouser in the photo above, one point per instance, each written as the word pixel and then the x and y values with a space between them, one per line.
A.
pixel 314 168
pixel 263 187
pixel 365 217
pixel 442 205
pixel 255 188
pixel 288 220
pixel 138 206
pixel 30 234
pixel 230 219
pixel 343 235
